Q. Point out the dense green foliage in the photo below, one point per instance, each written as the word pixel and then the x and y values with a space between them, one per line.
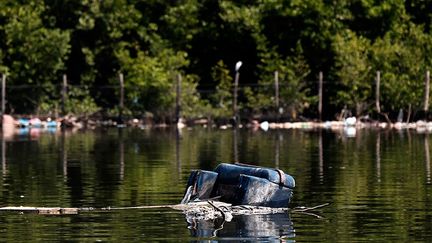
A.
pixel 151 42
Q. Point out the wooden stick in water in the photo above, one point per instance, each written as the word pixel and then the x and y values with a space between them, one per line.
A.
pixel 214 204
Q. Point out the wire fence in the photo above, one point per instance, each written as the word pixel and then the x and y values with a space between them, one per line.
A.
pixel 114 93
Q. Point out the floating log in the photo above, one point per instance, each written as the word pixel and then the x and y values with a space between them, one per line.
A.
pixel 41 210
pixel 201 209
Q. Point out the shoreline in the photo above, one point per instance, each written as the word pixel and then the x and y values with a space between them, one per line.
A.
pixel 9 122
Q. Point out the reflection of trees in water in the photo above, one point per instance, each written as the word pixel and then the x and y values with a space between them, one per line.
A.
pixel 244 227
pixel 121 155
pixel 3 144
pixel 378 156
pixel 427 159
pixel 177 153
pixel 235 145
pixel 321 157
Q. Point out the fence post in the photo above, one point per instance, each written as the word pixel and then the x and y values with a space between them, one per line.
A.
pixel 178 97
pixel 3 94
pixel 426 97
pixel 377 91
pixel 320 94
pixel 64 94
pixel 121 102
pixel 235 95
pixel 276 77
pixel 236 81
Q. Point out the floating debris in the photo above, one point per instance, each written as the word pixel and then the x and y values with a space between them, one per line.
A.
pixel 241 184
pixel 199 210
pixel 42 210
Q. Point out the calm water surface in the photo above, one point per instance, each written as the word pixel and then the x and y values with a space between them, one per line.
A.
pixel 378 184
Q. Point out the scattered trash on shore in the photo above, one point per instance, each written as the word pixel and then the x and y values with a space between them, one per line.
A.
pixel 348 126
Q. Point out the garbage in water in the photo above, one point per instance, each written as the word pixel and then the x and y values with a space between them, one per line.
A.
pixel 240 184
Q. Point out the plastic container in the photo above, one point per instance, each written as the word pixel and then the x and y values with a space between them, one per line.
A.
pixel 241 184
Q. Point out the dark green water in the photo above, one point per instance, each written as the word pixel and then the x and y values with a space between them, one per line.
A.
pixel 378 184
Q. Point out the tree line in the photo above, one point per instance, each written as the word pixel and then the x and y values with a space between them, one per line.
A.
pixel 151 42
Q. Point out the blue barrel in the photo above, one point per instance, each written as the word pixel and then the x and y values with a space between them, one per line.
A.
pixel 257 191
pixel 229 174
pixel 241 184
pixel 202 183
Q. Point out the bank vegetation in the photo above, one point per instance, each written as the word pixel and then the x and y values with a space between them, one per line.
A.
pixel 152 42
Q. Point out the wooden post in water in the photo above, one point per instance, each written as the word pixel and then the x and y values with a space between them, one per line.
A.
pixel 377 91
pixel 320 95
pixel 64 94
pixel 3 94
pixel 426 96
pixel 178 97
pixel 121 102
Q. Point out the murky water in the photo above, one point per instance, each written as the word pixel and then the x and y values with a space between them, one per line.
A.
pixel 378 184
